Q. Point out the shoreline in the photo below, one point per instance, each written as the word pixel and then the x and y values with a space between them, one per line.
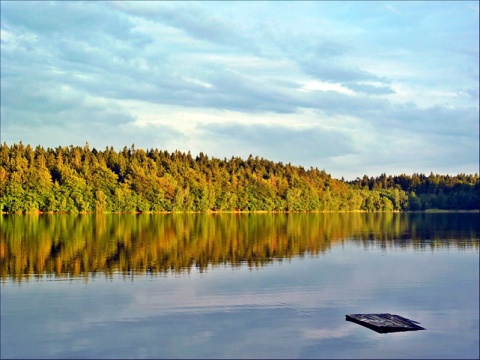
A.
pixel 427 211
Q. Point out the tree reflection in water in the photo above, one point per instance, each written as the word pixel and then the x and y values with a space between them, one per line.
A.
pixel 83 245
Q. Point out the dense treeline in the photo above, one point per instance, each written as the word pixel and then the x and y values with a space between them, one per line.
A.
pixel 460 192
pixel 80 179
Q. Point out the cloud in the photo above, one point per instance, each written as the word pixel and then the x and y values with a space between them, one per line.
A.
pixel 83 21
pixel 103 123
pixel 325 86
pixel 471 93
pixel 278 143
pixel 355 87
pixel 334 72
pixel 194 20
pixel 67 122
pixel 371 89
pixel 461 122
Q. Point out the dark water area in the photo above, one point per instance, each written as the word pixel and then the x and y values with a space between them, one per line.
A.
pixel 238 285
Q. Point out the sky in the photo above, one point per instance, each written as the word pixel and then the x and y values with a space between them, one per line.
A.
pixel 352 88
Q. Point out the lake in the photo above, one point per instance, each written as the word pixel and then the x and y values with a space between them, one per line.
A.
pixel 238 285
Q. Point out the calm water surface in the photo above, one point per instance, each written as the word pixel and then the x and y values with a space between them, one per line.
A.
pixel 237 286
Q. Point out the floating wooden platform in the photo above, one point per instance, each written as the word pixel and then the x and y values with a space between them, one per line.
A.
pixel 384 323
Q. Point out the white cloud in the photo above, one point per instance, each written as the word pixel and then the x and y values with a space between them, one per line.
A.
pixel 325 86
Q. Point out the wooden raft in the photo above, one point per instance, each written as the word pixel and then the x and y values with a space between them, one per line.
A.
pixel 384 323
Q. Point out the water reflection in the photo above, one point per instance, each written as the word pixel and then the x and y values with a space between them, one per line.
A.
pixel 83 245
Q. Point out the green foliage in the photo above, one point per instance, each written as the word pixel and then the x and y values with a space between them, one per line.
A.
pixel 77 179
pixel 419 192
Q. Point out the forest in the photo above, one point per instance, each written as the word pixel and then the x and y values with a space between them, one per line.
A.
pixel 78 179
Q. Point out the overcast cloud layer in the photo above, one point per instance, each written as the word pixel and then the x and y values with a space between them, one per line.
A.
pixel 353 88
